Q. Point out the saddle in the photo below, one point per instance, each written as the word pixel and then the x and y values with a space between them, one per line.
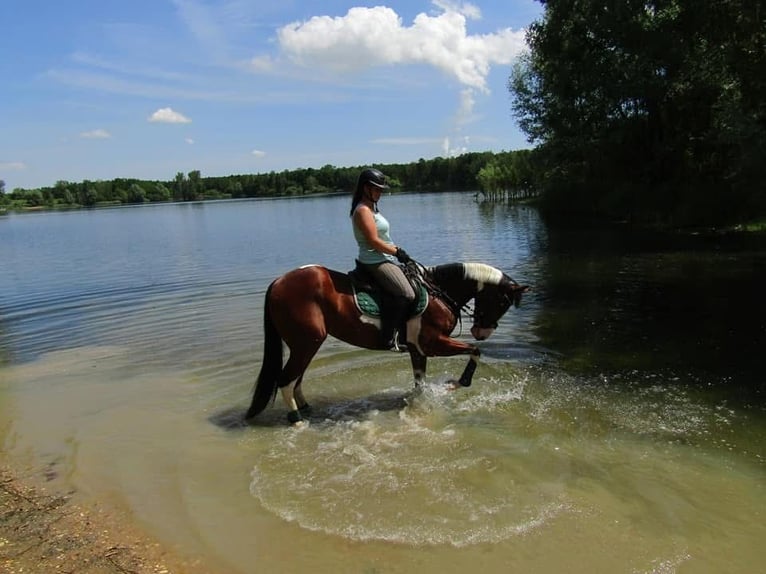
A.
pixel 368 296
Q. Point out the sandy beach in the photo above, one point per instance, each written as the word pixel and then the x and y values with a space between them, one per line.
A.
pixel 44 532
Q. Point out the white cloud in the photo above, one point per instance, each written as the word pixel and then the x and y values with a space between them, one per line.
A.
pixel 465 109
pixel 258 153
pixel 466 8
pixel 368 37
pixel 376 36
pixel 202 21
pixel 190 141
pixel 451 150
pixel 261 64
pixel 168 116
pixel 406 141
pixel 12 166
pixel 97 134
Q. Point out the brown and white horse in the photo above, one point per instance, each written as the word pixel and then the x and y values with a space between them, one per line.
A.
pixel 307 304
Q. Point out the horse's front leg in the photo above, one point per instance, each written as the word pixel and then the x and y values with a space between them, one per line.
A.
pixel 447 347
pixel 418 366
pixel 466 378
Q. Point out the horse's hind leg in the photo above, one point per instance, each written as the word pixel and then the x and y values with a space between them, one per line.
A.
pixel 303 406
pixel 292 394
pixel 293 412
pixel 297 401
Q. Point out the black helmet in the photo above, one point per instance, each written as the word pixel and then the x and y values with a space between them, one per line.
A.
pixel 373 176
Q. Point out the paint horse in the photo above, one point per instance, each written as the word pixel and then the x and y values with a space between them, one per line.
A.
pixel 307 304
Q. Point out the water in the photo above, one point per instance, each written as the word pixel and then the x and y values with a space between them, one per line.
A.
pixel 615 424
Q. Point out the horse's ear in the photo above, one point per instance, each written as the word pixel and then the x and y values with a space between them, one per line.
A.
pixel 516 291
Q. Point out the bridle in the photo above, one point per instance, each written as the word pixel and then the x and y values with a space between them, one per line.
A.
pixel 417 271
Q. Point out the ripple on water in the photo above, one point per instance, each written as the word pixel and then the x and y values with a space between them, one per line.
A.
pixel 509 456
pixel 412 475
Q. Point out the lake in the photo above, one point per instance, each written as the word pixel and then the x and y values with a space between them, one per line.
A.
pixel 616 422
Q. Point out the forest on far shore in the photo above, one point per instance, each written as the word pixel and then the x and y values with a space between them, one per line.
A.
pixel 505 173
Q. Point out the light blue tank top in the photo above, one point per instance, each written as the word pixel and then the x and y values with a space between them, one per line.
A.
pixel 366 253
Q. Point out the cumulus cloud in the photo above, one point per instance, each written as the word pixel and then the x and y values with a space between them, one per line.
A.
pixel 97 134
pixel 168 116
pixel 258 153
pixel 377 36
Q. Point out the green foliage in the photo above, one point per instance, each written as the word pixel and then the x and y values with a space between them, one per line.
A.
pixel 508 175
pixel 652 110
pixel 456 173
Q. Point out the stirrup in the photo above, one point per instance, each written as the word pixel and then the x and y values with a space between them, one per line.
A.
pixel 395 345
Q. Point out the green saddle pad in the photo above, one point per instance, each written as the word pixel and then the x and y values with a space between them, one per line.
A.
pixel 369 303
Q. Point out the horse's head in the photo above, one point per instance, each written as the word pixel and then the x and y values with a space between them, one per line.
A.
pixel 491 303
pixel 492 290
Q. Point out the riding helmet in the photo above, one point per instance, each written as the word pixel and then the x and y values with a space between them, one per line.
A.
pixel 373 176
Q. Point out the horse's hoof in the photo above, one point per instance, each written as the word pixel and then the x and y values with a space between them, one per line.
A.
pixel 294 417
pixel 453 385
pixel 305 410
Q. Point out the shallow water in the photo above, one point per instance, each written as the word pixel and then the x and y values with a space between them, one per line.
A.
pixel 127 381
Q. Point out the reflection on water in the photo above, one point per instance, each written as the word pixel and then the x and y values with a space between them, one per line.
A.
pixel 617 300
pixel 616 423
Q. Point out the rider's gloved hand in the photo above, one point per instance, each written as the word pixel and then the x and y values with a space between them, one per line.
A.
pixel 402 256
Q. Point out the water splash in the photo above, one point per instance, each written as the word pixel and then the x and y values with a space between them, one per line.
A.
pixel 414 475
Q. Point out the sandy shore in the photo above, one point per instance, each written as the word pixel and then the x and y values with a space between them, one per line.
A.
pixel 48 532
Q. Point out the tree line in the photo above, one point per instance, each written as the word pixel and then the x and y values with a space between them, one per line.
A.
pixel 503 172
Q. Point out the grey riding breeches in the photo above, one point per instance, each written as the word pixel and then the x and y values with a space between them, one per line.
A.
pixel 391 278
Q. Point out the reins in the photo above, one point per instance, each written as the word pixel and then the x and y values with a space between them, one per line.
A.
pixel 415 270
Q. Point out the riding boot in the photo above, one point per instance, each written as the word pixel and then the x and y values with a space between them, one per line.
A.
pixel 394 310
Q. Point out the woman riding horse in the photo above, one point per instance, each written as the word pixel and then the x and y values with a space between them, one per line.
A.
pixel 307 304
pixel 376 256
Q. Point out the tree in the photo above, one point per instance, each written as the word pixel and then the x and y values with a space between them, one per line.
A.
pixel 194 188
pixel 136 194
pixel 179 187
pixel 640 108
pixel 158 192
pixel 62 193
pixel 87 194
pixel 234 188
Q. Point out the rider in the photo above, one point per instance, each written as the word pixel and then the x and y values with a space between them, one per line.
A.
pixel 378 254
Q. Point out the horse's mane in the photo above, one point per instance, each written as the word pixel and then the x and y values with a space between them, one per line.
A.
pixel 480 272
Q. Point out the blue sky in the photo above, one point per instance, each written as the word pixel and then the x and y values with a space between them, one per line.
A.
pixel 99 89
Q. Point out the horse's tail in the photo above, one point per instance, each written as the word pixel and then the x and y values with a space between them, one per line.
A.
pixel 271 367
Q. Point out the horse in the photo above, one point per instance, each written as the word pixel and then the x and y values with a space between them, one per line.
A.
pixel 305 305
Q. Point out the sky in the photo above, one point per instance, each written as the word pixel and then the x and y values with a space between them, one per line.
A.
pixel 101 89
